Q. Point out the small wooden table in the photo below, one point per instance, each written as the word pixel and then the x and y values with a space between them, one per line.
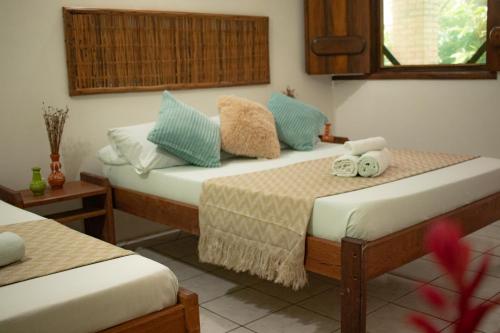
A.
pixel 97 204
pixel 333 139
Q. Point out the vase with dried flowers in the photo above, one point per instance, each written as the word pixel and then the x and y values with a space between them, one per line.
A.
pixel 55 119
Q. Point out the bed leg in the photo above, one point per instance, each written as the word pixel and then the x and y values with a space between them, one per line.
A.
pixel 353 292
pixel 191 310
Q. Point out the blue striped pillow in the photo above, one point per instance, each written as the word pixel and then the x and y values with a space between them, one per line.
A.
pixel 186 133
pixel 297 123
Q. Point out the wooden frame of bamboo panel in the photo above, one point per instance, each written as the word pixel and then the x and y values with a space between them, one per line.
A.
pixel 352 261
pixel 184 317
pixel 199 50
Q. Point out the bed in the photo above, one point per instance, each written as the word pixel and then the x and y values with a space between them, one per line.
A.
pixel 126 294
pixel 374 230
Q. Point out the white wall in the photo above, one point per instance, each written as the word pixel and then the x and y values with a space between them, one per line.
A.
pixel 450 116
pixel 32 70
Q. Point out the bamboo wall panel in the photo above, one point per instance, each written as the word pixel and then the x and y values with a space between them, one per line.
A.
pixel 126 50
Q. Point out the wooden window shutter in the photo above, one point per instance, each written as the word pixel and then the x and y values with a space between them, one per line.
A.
pixel 338 36
pixel 493 35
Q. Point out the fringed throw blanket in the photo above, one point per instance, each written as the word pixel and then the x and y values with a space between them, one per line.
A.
pixel 52 248
pixel 257 222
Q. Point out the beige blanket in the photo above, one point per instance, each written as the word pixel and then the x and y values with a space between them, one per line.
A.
pixel 257 222
pixel 51 248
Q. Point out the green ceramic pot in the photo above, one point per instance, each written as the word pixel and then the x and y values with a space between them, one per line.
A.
pixel 37 185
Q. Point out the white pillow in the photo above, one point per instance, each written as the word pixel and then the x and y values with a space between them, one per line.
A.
pixel 132 143
pixel 108 155
pixel 224 155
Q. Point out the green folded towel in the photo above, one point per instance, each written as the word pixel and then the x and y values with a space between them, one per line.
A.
pixel 374 163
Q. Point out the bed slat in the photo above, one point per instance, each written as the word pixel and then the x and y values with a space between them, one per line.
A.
pixel 397 249
pixel 172 213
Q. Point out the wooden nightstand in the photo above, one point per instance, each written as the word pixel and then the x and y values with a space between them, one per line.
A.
pixel 334 139
pixel 97 202
pixel 327 137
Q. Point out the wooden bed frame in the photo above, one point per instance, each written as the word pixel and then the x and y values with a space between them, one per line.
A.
pixel 184 317
pixel 352 261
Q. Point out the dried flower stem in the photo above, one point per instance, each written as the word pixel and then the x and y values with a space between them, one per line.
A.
pixel 289 92
pixel 54 121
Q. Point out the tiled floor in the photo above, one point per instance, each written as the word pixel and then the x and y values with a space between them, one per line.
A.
pixel 239 303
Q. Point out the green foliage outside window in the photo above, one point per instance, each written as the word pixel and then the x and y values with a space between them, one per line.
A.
pixel 463 30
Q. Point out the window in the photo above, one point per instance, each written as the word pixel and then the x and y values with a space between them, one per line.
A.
pixel 434 32
pixel 403 39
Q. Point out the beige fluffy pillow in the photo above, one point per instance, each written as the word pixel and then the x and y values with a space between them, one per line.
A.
pixel 247 128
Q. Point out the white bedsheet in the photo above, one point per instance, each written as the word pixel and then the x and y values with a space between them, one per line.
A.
pixel 367 214
pixel 84 299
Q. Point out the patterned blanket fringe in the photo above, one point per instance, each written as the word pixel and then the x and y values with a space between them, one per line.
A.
pixel 248 256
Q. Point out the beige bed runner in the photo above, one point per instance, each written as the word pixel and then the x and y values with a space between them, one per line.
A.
pixel 51 248
pixel 257 222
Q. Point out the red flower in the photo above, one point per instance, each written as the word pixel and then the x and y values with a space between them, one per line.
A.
pixel 434 297
pixel 423 323
pixel 453 254
pixel 443 239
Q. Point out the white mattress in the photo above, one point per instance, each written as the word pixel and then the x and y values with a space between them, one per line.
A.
pixel 367 214
pixel 84 299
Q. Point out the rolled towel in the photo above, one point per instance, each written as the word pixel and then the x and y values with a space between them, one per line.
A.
pixel 11 248
pixel 359 147
pixel 374 163
pixel 345 166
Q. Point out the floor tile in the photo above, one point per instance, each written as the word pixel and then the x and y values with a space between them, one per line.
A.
pixel 244 279
pixel 491 322
pixel 240 329
pixel 389 287
pixel 495 251
pixel 394 319
pixel 482 244
pixel 153 255
pixel 328 303
pixel 294 320
pixel 245 305
pixel 209 286
pixel 194 261
pixel 180 248
pixel 451 329
pixel 494 269
pixel 183 271
pixel 489 232
pixel 489 287
pixel 419 270
pixel 213 323
pixel 314 287
pixel 431 257
pixel 415 301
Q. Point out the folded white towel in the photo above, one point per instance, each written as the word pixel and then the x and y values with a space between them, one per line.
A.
pixel 374 163
pixel 11 248
pixel 359 147
pixel 345 166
